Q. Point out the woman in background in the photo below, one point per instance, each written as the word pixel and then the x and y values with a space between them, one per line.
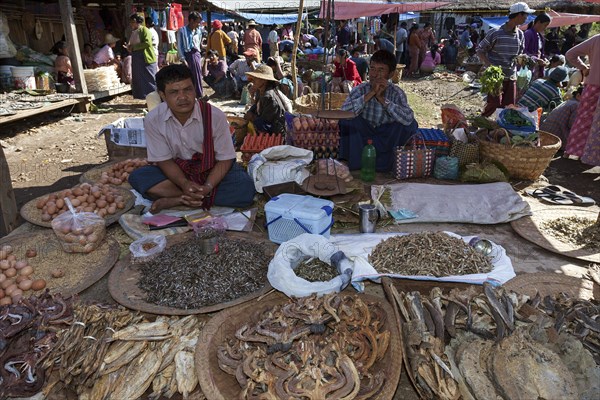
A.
pixel 535 43
pixel 143 58
pixel 414 46
pixel 62 64
pixel 432 58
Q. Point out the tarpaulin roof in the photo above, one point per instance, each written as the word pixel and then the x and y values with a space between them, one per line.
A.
pixel 270 19
pixel 558 19
pixel 217 15
pixel 349 10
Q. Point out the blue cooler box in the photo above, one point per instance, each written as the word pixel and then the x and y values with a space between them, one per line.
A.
pixel 290 215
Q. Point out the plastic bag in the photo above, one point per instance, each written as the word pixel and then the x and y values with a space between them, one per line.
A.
pixel 79 232
pixel 209 227
pixel 290 254
pixel 518 121
pixel 147 247
pixel 523 77
pixel 328 166
pixel 279 164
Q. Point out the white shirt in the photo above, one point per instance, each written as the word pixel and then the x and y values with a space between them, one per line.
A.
pixel 104 55
pixel 273 37
pixel 154 39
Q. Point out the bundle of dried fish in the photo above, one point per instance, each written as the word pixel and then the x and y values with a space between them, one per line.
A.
pixel 316 348
pixel 315 270
pixel 130 356
pixel 428 253
pixel 183 277
pixel 27 334
pixel 578 231
pixel 502 344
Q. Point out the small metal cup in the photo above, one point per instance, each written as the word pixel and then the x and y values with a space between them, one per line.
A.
pixel 209 245
pixel 368 215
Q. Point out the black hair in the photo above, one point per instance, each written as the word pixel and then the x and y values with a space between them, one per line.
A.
pixel 211 53
pixel 137 18
pixel 194 16
pixel 149 22
pixel 385 57
pixel 355 50
pixel 58 46
pixel 88 44
pixel 342 53
pixel 271 62
pixel 434 49
pixel 427 25
pixel 578 90
pixel 403 24
pixel 542 19
pixel 555 58
pixel 171 74
pixel 515 15
pixel 413 28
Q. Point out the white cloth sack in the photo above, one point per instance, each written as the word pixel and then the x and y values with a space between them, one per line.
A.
pixel 279 164
pixel 489 203
pixel 360 246
pixel 291 253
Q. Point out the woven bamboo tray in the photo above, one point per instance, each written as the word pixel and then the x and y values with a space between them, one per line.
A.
pixel 218 385
pixel 80 270
pixel 551 284
pixel 32 214
pixel 522 162
pixel 123 283
pixel 310 103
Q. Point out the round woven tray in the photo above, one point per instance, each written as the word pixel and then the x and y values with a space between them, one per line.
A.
pixel 218 385
pixel 530 229
pixel 93 175
pixel 310 103
pixel 32 214
pixel 522 162
pixel 123 284
pixel 81 270
pixel 551 284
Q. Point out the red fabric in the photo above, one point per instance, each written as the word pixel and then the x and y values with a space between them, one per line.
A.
pixel 350 73
pixel 198 168
pixel 507 97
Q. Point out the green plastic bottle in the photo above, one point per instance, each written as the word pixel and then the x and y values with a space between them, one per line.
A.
pixel 367 169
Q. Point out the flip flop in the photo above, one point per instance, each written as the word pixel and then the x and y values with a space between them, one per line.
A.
pixel 557 199
pixel 578 200
pixel 544 192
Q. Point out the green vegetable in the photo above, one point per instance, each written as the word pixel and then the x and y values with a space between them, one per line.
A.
pixel 491 80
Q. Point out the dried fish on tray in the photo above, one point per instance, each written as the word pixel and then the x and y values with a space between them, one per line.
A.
pixel 576 231
pixel 428 253
pixel 497 344
pixel 183 277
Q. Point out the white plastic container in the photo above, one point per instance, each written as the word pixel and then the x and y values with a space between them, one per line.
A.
pixel 23 77
pixel 290 215
pixel 6 79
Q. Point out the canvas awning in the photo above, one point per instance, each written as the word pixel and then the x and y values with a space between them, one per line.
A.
pixel 349 10
pixel 558 19
pixel 270 19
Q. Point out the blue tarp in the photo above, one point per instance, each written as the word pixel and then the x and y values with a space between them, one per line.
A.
pixel 216 15
pixel 270 19
pixel 496 22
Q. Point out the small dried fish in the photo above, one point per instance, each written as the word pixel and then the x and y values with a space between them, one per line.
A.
pixel 577 231
pixel 315 270
pixel 125 358
pixel 185 373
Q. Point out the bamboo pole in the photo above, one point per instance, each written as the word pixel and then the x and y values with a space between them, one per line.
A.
pixel 295 48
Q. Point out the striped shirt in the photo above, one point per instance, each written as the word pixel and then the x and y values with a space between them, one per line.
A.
pixel 187 40
pixel 395 110
pixel 501 47
pixel 542 93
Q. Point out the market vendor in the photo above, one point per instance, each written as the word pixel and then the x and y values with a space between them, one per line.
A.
pixel 545 93
pixel 382 114
pixel 346 76
pixel 190 144
pixel 62 64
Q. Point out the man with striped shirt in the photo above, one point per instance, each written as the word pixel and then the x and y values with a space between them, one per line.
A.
pixel 500 47
pixel 545 93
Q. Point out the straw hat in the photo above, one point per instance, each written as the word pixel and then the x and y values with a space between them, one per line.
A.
pixel 252 23
pixel 109 39
pixel 263 71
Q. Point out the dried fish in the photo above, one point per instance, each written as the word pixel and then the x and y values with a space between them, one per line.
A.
pixel 428 253
pixel 157 330
pixel 185 373
pixel 138 376
pixel 577 231
pixel 315 270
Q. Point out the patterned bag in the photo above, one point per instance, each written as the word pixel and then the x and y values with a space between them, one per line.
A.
pixel 413 161
pixel 467 153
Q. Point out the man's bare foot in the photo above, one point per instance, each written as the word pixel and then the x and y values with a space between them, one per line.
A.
pixel 165 202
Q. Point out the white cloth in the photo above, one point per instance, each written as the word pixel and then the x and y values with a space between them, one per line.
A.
pixel 279 164
pixel 490 203
pixel 104 55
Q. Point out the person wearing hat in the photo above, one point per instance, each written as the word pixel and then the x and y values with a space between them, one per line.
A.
pixel 143 58
pixel 499 48
pixel 382 113
pixel 106 55
pixel 252 39
pixel 318 32
pixel 268 112
pixel 545 93
pixel 273 41
pixel 239 67
pixel 189 145
pixel 218 40
pixel 346 76
pixel 189 48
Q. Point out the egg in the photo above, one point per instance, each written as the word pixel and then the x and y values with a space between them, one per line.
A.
pixel 77 191
pixel 57 273
pixel 1 293
pixel 11 272
pixel 16 295
pixel 6 283
pixel 4 264
pixel 2 278
pixel 28 270
pixel 6 301
pixel 11 258
pixel 38 284
pixel 46 217
pixel 60 203
pixel 20 264
pixel 51 209
pixel 25 285
pixel 21 278
pixel 9 290
pixel 101 203
pixel 30 253
pixel 75 202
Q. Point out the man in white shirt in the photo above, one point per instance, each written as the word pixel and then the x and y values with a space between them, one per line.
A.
pixel 239 67
pixel 273 41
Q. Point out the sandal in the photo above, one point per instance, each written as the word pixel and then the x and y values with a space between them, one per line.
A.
pixel 578 200
pixel 544 192
pixel 557 199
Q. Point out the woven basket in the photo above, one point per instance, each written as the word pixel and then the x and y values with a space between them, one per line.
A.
pixel 310 102
pixel 522 162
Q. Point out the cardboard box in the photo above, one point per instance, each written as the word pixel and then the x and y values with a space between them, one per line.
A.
pixel 125 138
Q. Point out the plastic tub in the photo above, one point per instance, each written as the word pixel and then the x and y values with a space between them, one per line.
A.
pixel 6 79
pixel 23 77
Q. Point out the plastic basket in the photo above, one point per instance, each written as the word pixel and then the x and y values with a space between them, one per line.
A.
pixel 522 162
pixel 290 215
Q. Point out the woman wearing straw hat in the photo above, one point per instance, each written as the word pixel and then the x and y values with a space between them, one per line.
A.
pixel 268 112
pixel 252 39
pixel 143 59
pixel 106 55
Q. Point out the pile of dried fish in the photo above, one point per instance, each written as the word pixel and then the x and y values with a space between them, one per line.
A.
pixel 582 232
pixel 28 332
pixel 315 270
pixel 428 253
pixel 183 277
pixel 503 345
pixel 315 348
pixel 111 353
